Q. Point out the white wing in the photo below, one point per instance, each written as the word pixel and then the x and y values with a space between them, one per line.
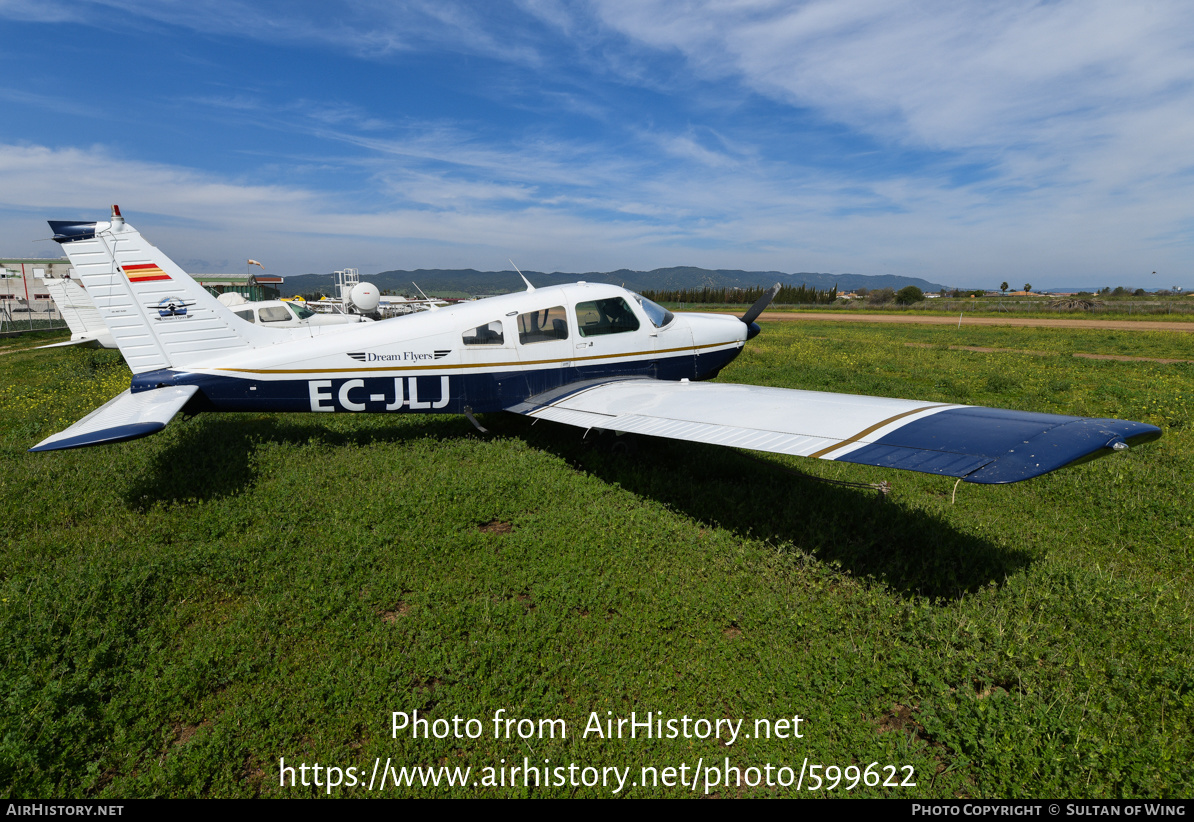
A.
pixel 985 445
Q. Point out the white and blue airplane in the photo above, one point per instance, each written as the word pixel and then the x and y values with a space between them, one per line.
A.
pixel 590 355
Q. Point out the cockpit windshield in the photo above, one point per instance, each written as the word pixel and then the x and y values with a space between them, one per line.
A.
pixel 300 312
pixel 657 314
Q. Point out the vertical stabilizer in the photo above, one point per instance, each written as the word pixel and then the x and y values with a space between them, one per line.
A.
pixel 158 316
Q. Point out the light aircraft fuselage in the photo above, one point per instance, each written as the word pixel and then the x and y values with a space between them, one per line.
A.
pixel 482 356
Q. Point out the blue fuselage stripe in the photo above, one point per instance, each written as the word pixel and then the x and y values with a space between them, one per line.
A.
pixel 425 391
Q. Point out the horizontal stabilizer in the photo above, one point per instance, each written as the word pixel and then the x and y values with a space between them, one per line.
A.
pixel 126 417
pixel 982 445
pixel 91 341
pixel 80 313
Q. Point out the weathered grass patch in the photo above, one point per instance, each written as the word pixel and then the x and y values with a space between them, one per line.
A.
pixel 181 612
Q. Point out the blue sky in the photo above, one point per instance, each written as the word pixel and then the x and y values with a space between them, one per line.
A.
pixel 966 143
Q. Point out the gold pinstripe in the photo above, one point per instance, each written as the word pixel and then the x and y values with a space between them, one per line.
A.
pixel 876 427
pixel 447 366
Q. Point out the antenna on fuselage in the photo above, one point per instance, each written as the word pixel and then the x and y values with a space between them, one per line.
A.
pixel 524 279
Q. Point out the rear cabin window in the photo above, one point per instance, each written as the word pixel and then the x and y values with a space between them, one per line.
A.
pixel 610 316
pixel 245 315
pixel 543 326
pixel 488 334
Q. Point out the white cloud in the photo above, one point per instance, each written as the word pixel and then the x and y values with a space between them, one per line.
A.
pixel 366 28
pixel 204 215
pixel 939 73
pixel 1052 138
pixel 38 11
pixel 721 219
pixel 1058 81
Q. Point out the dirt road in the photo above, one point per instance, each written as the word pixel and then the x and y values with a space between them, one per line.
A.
pixel 1030 322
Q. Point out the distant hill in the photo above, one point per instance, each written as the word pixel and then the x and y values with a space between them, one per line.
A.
pixel 471 281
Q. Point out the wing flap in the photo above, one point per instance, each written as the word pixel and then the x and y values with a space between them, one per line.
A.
pixel 126 417
pixel 984 445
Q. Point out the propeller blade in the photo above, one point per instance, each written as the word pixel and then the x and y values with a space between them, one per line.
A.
pixel 760 305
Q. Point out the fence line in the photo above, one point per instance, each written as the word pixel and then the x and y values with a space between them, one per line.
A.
pixel 21 317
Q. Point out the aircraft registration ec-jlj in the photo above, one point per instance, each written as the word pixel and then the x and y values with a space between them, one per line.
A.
pixel 590 355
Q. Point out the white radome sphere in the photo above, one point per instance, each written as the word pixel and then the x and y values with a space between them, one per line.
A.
pixel 365 297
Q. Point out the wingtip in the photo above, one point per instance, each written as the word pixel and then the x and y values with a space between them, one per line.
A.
pixel 1065 446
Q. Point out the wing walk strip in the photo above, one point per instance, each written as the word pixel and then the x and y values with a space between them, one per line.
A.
pixel 454 366
pixel 572 395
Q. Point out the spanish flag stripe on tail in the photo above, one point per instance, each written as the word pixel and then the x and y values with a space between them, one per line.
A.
pixel 144 273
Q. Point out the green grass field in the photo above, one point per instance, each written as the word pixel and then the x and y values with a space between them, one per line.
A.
pixel 181 613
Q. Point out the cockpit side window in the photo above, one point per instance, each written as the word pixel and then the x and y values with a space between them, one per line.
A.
pixel 657 314
pixel 543 326
pixel 488 334
pixel 609 316
pixel 273 314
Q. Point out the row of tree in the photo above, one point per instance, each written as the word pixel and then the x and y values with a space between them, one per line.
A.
pixel 788 295
pixel 1119 291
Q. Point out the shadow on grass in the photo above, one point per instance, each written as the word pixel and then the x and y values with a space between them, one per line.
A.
pixel 912 551
pixel 212 455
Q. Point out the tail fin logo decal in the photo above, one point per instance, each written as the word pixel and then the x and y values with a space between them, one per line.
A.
pixel 171 307
pixel 144 273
